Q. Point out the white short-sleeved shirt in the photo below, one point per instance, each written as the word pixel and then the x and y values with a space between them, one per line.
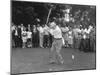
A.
pixel 64 29
pixel 29 34
pixel 40 29
pixel 16 33
pixel 76 31
pixel 24 34
pixel 22 28
pixel 45 30
pixel 85 31
pixel 13 28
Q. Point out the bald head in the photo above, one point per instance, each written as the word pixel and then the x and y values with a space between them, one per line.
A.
pixel 52 25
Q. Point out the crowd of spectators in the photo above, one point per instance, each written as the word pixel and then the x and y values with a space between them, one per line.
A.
pixel 77 37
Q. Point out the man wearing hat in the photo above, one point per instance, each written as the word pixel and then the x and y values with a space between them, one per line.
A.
pixel 57 43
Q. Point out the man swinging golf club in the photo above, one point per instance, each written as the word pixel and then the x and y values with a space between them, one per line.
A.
pixel 55 55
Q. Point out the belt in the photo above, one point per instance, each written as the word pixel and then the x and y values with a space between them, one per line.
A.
pixel 57 38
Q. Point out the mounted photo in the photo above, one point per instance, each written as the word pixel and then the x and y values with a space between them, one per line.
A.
pixel 52 37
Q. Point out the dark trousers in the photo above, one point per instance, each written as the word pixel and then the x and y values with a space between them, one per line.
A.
pixel 76 42
pixel 85 45
pixel 16 40
pixel 20 42
pixel 35 40
pixel 92 45
pixel 45 40
pixel 50 40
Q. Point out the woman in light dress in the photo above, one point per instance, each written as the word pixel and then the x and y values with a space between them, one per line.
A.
pixel 24 37
pixel 70 38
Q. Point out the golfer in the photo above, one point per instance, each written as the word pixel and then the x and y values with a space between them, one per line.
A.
pixel 57 44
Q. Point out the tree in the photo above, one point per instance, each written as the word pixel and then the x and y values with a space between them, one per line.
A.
pixel 30 14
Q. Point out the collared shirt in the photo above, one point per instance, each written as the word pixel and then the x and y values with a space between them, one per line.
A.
pixel 13 28
pixel 64 29
pixel 85 33
pixel 56 32
pixel 45 30
pixel 76 31
pixel 24 34
pixel 16 33
pixel 22 28
pixel 40 29
pixel 34 30
pixel 29 34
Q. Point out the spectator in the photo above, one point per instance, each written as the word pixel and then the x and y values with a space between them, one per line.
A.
pixel 13 35
pixel 35 36
pixel 29 38
pixel 29 27
pixel 92 40
pixel 70 38
pixel 22 27
pixel 46 37
pixel 84 45
pixel 19 36
pixel 16 37
pixel 76 31
pixel 24 37
pixel 40 29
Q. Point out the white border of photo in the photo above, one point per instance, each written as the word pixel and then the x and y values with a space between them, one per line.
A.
pixel 5 54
